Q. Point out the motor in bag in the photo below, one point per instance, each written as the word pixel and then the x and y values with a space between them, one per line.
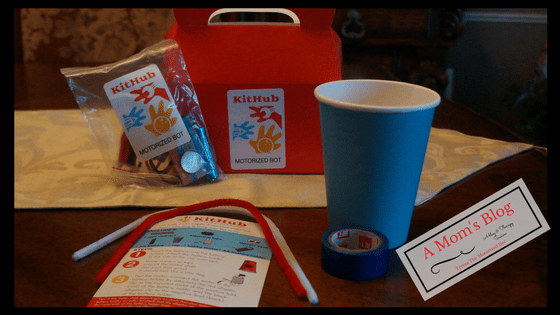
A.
pixel 144 114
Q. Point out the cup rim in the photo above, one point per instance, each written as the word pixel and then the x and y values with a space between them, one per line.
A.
pixel 432 98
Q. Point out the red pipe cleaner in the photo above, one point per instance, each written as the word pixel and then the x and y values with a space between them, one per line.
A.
pixel 157 217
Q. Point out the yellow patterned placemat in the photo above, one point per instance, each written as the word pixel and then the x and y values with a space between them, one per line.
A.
pixel 57 164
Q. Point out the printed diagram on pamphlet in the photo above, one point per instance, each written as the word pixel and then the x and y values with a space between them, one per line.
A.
pixel 191 260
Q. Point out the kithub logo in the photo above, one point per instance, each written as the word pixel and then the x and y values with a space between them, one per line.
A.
pixel 161 121
pixel 266 142
pixel 148 92
pixel 242 99
pixel 265 113
pixel 256 126
pixel 127 83
pixel 146 109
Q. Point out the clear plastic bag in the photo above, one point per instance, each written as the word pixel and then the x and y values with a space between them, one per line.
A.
pixel 145 116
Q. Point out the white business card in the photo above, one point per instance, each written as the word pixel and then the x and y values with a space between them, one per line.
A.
pixel 473 239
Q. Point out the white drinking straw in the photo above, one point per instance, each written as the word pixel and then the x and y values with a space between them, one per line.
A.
pixel 92 248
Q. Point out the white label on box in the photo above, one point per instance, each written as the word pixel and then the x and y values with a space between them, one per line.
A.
pixel 147 112
pixel 473 239
pixel 257 139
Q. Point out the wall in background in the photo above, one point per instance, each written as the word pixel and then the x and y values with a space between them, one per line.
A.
pixel 86 36
pixel 498 49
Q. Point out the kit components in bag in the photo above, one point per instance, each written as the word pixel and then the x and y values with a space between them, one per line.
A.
pixel 163 139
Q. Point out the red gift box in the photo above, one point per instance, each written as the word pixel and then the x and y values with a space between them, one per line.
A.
pixel 255 83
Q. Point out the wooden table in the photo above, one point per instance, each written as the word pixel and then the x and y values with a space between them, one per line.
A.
pixel 44 240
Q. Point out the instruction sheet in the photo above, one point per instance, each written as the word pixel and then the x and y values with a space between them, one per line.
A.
pixel 190 260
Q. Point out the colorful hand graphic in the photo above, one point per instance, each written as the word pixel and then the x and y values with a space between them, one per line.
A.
pixel 266 142
pixel 148 92
pixel 242 131
pixel 133 119
pixel 265 113
pixel 161 121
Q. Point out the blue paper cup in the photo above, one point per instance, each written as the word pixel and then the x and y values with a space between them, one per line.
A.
pixel 375 135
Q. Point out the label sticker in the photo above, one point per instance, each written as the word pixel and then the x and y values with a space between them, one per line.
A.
pixel 256 129
pixel 147 112
pixel 473 239
pixel 355 240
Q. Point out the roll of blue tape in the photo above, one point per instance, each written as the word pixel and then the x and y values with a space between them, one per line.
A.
pixel 354 253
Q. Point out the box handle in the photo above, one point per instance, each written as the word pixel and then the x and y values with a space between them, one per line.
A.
pixel 261 10
pixel 306 18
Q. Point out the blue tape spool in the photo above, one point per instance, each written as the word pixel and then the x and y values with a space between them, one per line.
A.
pixel 354 253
